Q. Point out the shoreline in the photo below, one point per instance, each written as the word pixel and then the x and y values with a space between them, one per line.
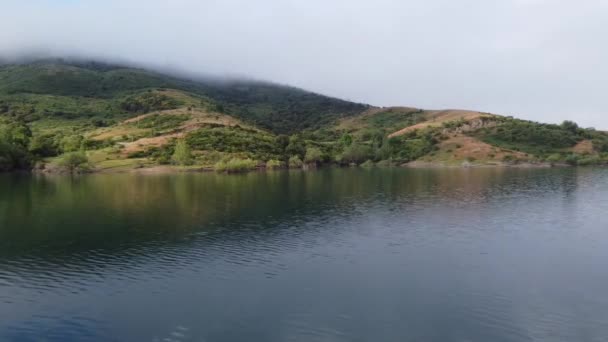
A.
pixel 170 169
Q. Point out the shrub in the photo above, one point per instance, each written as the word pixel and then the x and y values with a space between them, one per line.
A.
pixel 368 164
pixel 554 158
pixel 384 163
pixel 313 155
pixel 72 143
pixel 148 102
pixel 296 146
pixel 74 161
pixel 182 154
pixel 295 162
pixel 591 160
pixel 274 164
pixel 236 165
pixel 356 153
pixel 509 158
pixel 44 146
pixel 572 159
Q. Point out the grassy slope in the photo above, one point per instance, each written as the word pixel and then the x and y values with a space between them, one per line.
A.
pixel 277 108
pixel 132 118
pixel 482 138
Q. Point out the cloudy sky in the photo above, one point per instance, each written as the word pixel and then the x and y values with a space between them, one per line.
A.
pixel 538 59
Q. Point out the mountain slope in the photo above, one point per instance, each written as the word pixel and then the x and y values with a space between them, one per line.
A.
pixel 280 109
pixel 54 114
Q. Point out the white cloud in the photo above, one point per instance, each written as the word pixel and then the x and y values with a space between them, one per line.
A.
pixel 537 59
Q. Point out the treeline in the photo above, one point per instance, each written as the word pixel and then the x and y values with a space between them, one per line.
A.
pixel 20 148
pixel 542 140
pixel 237 148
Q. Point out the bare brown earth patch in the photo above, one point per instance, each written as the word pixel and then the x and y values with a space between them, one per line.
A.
pixel 438 118
pixel 460 149
pixel 584 147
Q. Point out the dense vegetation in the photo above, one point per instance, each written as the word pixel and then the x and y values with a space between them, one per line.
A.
pixel 280 109
pixel 542 140
pixel 79 116
pixel 257 144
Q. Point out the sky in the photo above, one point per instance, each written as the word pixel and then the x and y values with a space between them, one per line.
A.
pixel 542 60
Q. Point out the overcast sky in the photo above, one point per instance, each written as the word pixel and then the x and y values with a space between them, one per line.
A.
pixel 537 59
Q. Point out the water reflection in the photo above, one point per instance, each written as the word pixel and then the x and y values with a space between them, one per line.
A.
pixel 353 255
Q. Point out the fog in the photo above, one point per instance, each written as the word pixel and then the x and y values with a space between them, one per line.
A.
pixel 536 59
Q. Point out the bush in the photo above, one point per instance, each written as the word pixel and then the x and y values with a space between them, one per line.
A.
pixel 295 162
pixel 385 163
pixel 71 143
pixel 591 160
pixel 554 158
pixel 356 153
pixel 313 155
pixel 236 165
pixel 148 102
pixel 44 146
pixel 182 154
pixel 509 158
pixel 258 145
pixel 572 159
pixel 274 164
pixel 368 164
pixel 74 161
pixel 296 146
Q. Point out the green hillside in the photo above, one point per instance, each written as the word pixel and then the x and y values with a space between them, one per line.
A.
pixel 58 115
pixel 280 109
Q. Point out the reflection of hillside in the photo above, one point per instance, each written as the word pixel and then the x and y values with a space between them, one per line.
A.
pixel 103 211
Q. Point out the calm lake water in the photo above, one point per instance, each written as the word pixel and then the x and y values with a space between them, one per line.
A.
pixel 332 255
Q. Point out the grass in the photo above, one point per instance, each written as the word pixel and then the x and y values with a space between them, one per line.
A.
pixel 257 144
pixel 161 122
pixel 278 108
pixel 117 165
pixel 236 165
pixel 234 124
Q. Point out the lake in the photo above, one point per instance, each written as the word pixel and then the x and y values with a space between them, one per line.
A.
pixel 329 255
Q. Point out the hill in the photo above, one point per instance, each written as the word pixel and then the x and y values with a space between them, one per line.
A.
pixel 281 109
pixel 57 114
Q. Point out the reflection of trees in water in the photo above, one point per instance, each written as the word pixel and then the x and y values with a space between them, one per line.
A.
pixel 105 210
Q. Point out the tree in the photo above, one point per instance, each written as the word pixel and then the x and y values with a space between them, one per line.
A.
pixel 385 150
pixel 182 154
pixel 346 140
pixel 295 162
pixel 570 126
pixel 43 146
pixel 313 155
pixel 14 141
pixel 296 146
pixel 72 143
pixel 282 142
pixel 357 153
pixel 74 161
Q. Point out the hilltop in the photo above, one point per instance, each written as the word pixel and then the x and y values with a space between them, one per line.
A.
pixel 57 114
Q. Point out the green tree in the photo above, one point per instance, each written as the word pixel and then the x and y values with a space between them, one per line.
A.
pixel 357 153
pixel 346 140
pixel 313 155
pixel 385 150
pixel 295 162
pixel 43 146
pixel 71 143
pixel 296 146
pixel 14 140
pixel 282 142
pixel 74 161
pixel 570 126
pixel 182 154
